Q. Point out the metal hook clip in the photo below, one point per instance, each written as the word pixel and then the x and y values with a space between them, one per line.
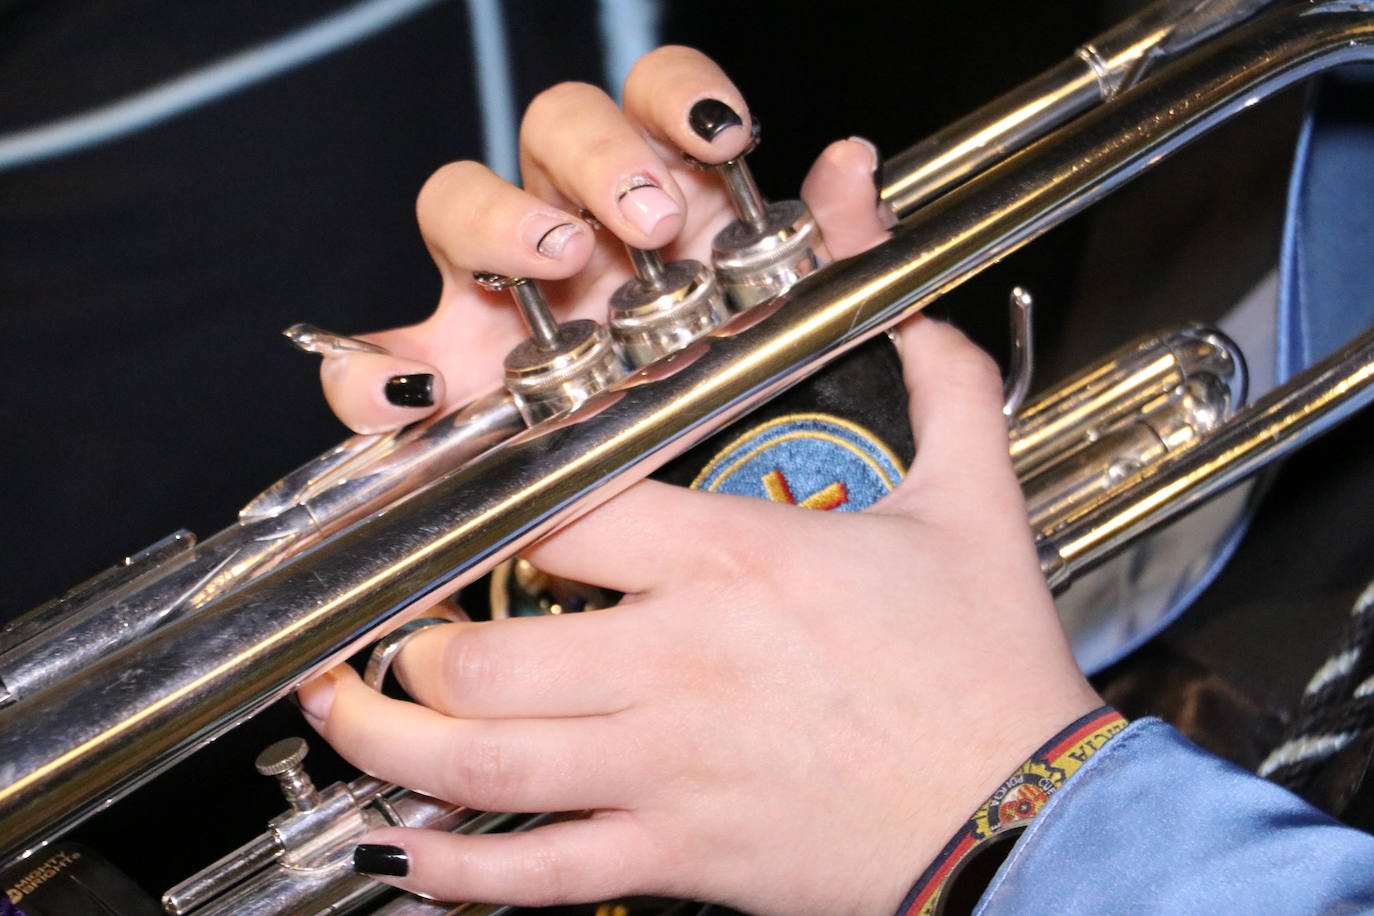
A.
pixel 1022 360
pixel 389 646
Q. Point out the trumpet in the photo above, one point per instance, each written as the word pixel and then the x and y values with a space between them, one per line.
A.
pixel 200 636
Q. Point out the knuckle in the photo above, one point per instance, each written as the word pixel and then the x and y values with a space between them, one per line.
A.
pixel 649 64
pixel 482 769
pixel 548 877
pixel 734 556
pixel 552 103
pixel 440 185
pixel 669 58
pixel 600 152
pixel 457 186
pixel 735 560
pixel 972 368
pixel 470 667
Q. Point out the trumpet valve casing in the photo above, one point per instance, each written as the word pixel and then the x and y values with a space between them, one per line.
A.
pixel 770 246
pixel 560 365
pixel 756 263
pixel 652 318
pixel 549 382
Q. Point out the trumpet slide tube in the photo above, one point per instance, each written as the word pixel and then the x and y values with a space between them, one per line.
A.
pixel 1099 70
pixel 1280 422
pixel 79 745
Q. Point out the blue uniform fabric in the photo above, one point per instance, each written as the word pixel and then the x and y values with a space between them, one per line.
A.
pixel 1154 824
pixel 1326 266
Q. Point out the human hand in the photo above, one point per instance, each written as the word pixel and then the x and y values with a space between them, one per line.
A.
pixel 791 711
pixel 579 150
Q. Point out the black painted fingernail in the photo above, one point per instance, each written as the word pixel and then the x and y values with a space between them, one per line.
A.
pixel 711 116
pixel 411 390
pixel 377 859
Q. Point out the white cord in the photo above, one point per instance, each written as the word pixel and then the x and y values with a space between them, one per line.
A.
pixel 495 87
pixel 206 84
pixel 629 29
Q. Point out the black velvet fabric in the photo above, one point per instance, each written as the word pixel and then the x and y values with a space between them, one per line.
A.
pixel 864 387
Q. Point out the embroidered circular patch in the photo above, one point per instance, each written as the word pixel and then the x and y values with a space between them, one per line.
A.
pixel 811 460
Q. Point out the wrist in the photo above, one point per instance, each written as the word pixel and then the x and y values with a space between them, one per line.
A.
pixel 955 880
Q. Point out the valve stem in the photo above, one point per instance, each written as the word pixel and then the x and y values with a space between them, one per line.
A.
pixel 534 308
pixel 744 193
pixel 649 267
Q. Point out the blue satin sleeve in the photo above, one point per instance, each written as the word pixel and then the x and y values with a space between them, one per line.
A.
pixel 1154 824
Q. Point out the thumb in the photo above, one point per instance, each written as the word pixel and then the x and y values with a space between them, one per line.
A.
pixel 955 393
pixel 841 192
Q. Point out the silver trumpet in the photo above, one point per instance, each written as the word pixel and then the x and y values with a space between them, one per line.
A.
pixel 127 674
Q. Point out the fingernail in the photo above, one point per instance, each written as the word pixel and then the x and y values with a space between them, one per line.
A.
pixel 548 234
pixel 886 218
pixel 316 697
pixel 709 117
pixel 645 204
pixel 379 859
pixel 877 168
pixel 411 390
pixel 873 151
pixel 885 214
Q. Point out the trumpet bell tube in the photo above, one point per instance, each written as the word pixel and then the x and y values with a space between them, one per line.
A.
pixel 73 745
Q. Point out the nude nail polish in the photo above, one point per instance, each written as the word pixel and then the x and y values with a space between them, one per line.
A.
pixel 644 204
pixel 877 169
pixel 549 232
pixel 552 242
pixel 885 214
pixel 380 859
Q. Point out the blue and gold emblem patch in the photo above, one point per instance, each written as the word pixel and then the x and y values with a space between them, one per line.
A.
pixel 811 460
